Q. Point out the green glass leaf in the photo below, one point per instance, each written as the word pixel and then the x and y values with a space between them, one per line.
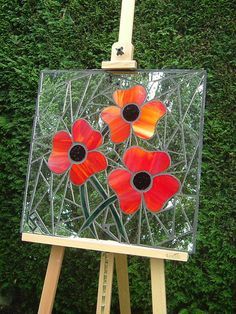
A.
pixel 97 212
pixel 104 195
pixel 85 205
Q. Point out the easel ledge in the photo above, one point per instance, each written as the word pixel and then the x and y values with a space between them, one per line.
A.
pixel 106 246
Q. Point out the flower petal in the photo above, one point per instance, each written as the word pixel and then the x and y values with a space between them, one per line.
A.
pixel 83 133
pixel 129 198
pixel 119 129
pixel 137 159
pixel 150 114
pixel 163 188
pixel 95 162
pixel 134 95
pixel 58 161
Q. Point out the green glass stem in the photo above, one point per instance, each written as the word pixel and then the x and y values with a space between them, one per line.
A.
pixel 85 206
pixel 97 212
pixel 97 185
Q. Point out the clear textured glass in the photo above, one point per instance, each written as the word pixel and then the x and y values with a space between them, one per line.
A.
pixel 54 205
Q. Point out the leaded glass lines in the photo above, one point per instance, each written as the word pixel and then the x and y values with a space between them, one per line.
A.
pixel 54 205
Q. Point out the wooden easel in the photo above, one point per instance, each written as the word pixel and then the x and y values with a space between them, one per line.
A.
pixel 113 252
pixel 116 251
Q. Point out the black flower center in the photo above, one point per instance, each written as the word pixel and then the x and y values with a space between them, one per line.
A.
pixel 131 112
pixel 77 153
pixel 141 180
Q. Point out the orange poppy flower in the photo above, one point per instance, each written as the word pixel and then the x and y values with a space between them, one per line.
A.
pixel 143 181
pixel 132 113
pixel 77 152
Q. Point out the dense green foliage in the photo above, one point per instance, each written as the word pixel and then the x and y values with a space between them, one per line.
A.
pixel 54 34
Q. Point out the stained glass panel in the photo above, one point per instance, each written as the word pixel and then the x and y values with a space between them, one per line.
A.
pixel 117 157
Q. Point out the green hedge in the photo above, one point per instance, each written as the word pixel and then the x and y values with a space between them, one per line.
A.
pixel 39 34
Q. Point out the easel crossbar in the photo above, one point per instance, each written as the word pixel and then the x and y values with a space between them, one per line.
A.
pixel 106 246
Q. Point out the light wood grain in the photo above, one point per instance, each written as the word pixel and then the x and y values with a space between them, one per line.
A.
pixel 123 61
pixel 106 246
pixel 158 286
pixel 123 283
pixel 105 283
pixel 126 21
pixel 51 280
pixel 119 65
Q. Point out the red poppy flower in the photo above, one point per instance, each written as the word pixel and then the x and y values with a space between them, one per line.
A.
pixel 143 181
pixel 77 152
pixel 132 113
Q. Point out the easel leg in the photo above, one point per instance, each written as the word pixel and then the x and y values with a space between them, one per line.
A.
pixel 51 279
pixel 105 283
pixel 123 283
pixel 158 286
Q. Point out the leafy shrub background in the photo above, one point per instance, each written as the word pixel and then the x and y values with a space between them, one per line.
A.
pixel 78 34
